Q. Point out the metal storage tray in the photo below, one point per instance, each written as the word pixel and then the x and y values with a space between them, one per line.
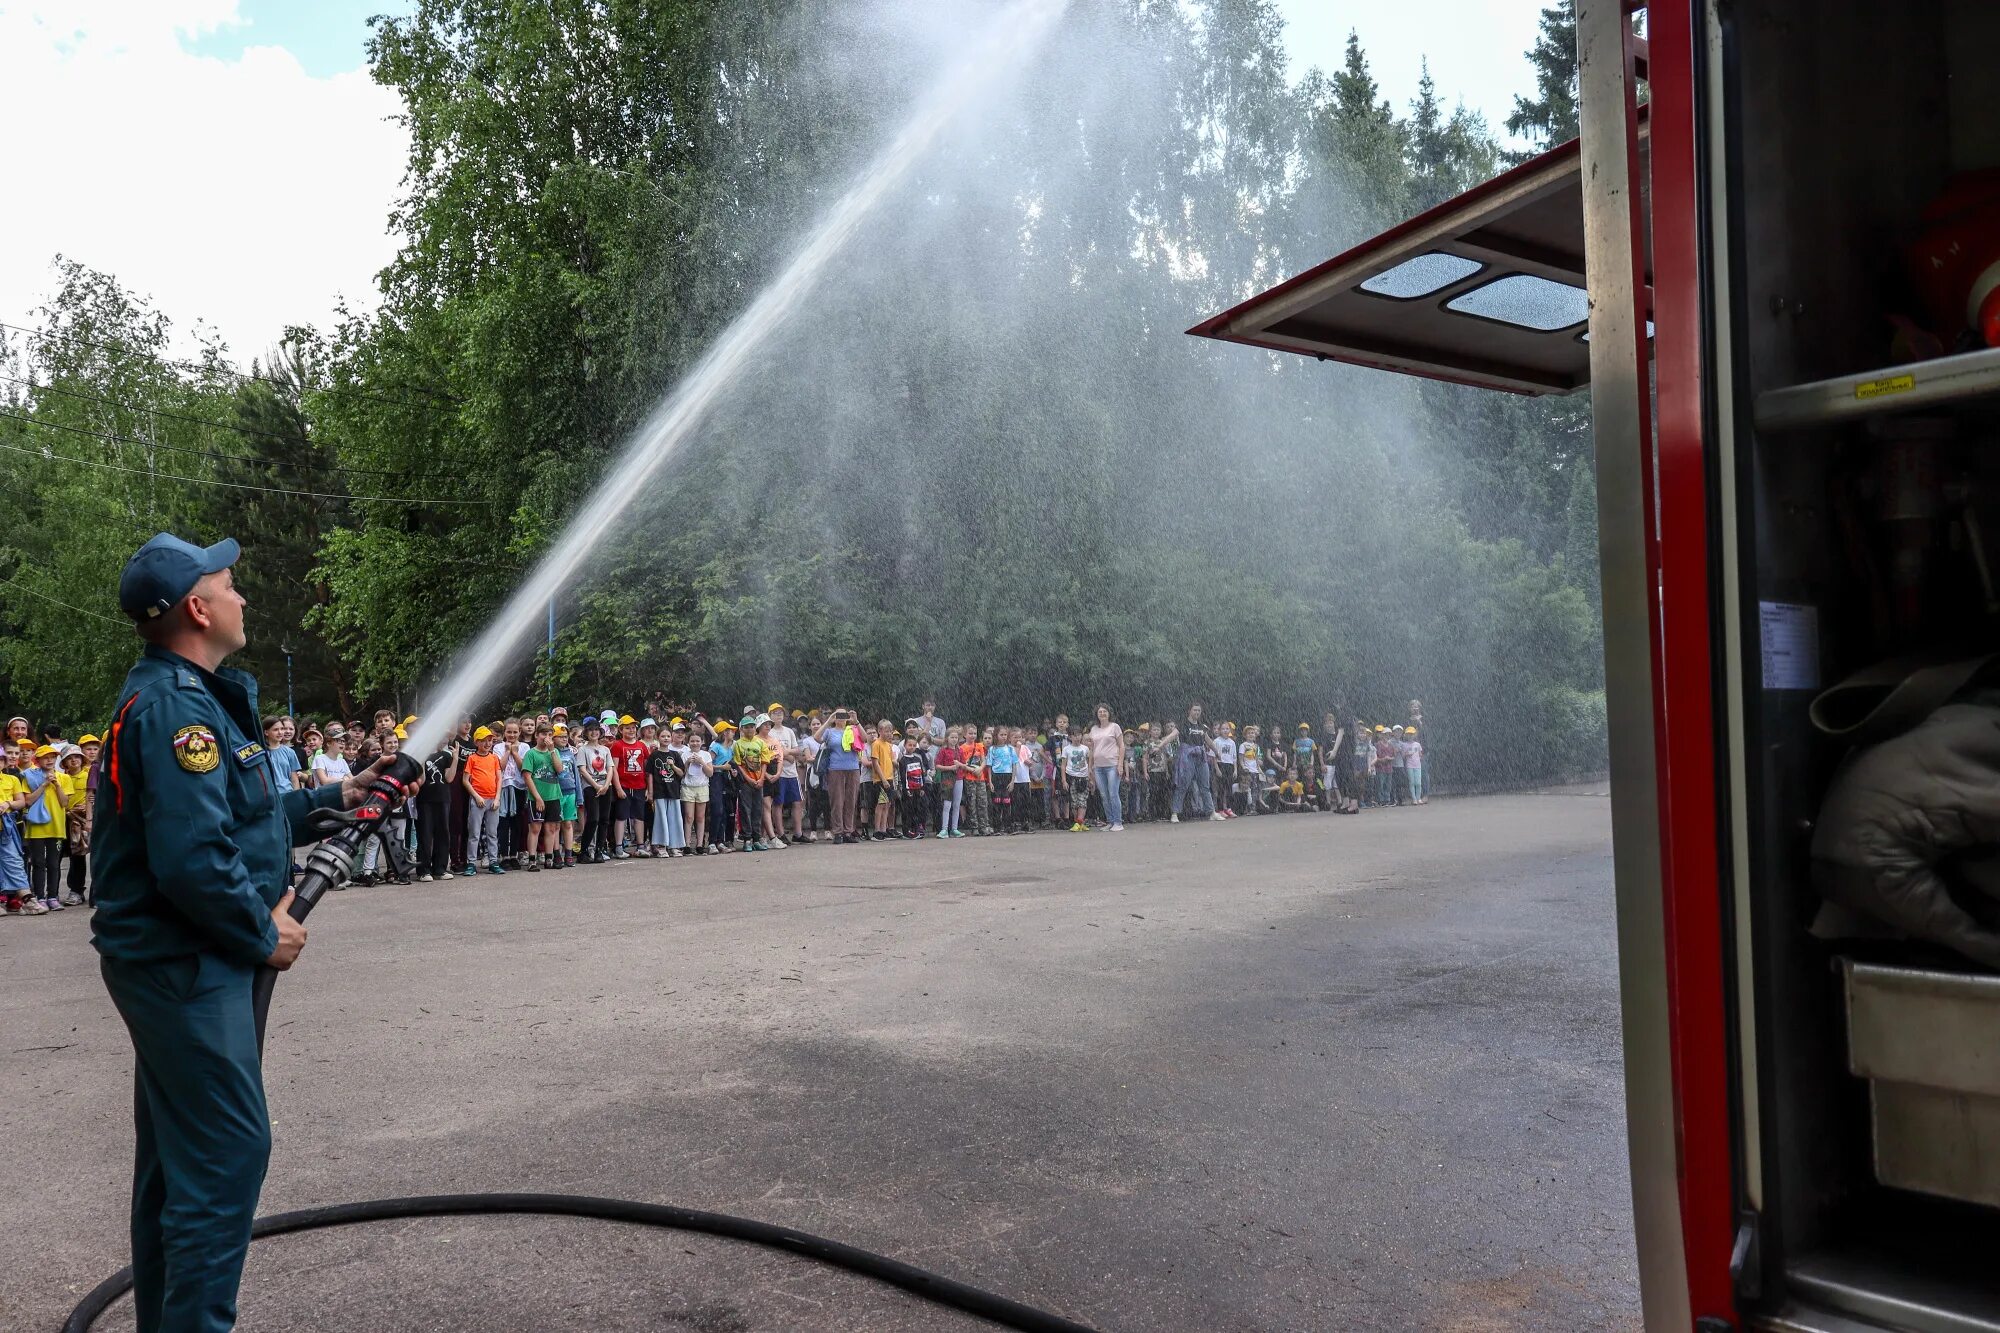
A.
pixel 1929 1045
pixel 1945 381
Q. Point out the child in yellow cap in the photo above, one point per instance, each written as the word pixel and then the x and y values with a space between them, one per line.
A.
pixel 75 779
pixel 14 798
pixel 48 824
pixel 481 779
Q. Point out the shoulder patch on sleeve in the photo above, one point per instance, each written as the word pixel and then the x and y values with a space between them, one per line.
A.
pixel 195 749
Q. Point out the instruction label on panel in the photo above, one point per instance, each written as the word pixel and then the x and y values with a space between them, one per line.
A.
pixel 1791 645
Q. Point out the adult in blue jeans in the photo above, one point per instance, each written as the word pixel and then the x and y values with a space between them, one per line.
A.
pixel 1107 761
pixel 1191 773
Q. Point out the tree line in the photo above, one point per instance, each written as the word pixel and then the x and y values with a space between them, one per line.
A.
pixel 982 461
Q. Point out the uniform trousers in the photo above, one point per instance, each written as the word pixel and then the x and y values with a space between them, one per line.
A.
pixel 204 1135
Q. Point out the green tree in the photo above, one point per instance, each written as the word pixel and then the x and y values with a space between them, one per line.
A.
pixel 291 489
pixel 1354 172
pixel 1447 154
pixel 106 442
pixel 980 459
pixel 1550 116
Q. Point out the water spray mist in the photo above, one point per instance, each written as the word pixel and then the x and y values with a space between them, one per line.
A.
pixel 994 52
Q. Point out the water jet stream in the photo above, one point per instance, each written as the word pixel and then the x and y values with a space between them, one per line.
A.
pixel 995 50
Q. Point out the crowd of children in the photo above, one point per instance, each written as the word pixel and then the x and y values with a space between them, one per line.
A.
pixel 550 792
pixel 45 788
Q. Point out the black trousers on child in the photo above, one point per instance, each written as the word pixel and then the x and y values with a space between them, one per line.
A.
pixel 514 828
pixel 44 858
pixel 595 835
pixel 721 809
pixel 434 836
pixel 750 811
pixel 455 808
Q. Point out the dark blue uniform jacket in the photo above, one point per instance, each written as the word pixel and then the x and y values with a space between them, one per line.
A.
pixel 191 841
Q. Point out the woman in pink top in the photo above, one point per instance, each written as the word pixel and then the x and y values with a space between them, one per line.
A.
pixel 1107 761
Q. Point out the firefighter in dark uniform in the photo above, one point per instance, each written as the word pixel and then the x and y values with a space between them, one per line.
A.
pixel 192 851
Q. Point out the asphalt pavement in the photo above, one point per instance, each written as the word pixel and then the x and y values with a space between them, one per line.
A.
pixel 1303 1072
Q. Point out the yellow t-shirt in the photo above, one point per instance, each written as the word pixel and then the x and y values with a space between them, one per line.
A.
pixel 752 755
pixel 884 755
pixel 76 787
pixel 52 796
pixel 10 787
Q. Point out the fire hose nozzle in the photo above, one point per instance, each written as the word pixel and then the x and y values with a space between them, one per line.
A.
pixel 347 831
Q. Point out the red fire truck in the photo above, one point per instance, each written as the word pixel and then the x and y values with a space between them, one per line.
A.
pixel 1772 258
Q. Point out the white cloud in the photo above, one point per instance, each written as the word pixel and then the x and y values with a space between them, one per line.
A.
pixel 242 193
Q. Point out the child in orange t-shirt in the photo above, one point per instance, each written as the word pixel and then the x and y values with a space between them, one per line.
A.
pixel 482 808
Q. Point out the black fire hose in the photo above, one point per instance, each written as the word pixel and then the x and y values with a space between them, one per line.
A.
pixel 329 865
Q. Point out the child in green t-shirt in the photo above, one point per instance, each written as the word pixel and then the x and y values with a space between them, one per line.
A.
pixel 539 768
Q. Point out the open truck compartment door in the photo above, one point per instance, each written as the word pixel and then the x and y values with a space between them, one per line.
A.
pixel 1787 217
pixel 1485 289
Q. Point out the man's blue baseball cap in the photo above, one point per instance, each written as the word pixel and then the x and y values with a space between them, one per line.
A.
pixel 165 570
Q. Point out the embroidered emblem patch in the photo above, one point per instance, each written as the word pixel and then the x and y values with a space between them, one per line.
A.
pixel 249 752
pixel 196 750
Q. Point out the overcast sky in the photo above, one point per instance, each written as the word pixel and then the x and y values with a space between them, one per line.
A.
pixel 231 159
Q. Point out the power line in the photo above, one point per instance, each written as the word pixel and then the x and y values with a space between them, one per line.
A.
pixel 220 425
pixel 202 481
pixel 82 611
pixel 208 368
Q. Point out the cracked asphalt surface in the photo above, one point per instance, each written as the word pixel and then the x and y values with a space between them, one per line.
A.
pixel 1296 1073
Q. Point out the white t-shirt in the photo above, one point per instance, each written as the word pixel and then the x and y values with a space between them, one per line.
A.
pixel 1225 750
pixel 809 748
pixel 699 765
pixel 1076 759
pixel 784 739
pixel 330 770
pixel 510 764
